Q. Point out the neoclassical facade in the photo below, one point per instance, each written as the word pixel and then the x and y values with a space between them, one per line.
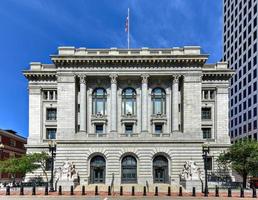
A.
pixel 129 115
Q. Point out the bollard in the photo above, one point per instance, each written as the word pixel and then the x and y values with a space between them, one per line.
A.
pixel 7 190
pixel 46 189
pixel 83 190
pixel 33 190
pixel 109 190
pixel 21 190
pixel 229 192
pixel 132 190
pixel 71 191
pixel 121 190
pixel 169 191
pixel 144 190
pixel 156 191
pixel 60 190
pixel 254 192
pixel 180 191
pixel 242 194
pixel 96 190
pixel 217 191
pixel 194 193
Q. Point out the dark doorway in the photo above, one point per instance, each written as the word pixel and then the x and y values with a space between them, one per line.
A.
pixel 97 169
pixel 160 169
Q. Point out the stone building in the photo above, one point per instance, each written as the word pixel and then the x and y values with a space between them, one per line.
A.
pixel 129 115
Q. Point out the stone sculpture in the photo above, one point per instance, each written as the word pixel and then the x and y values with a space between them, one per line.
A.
pixel 191 171
pixel 67 172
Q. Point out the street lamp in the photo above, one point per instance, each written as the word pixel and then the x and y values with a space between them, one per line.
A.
pixel 205 150
pixel 1 151
pixel 52 150
pixel 1 154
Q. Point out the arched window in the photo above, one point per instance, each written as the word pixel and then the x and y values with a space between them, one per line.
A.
pixel 129 169
pixel 99 99
pixel 129 101
pixel 160 169
pixel 159 101
pixel 97 169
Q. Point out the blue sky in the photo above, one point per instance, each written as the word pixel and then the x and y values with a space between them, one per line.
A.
pixel 31 30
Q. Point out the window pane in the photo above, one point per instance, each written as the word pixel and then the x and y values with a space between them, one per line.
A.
pixel 128 128
pixel 206 133
pixel 206 113
pixel 99 128
pixel 129 169
pixel 129 106
pixel 159 101
pixel 51 113
pixel 157 106
pixel 129 98
pixel 51 133
pixel 158 128
pixel 99 106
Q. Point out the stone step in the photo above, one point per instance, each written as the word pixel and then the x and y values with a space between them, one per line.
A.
pixel 127 188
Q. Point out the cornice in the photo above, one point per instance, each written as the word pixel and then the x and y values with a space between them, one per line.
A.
pixel 40 75
pixel 186 59
pixel 217 75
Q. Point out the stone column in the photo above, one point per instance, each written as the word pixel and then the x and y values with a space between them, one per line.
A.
pixel 113 109
pixel 175 103
pixel 83 103
pixel 145 102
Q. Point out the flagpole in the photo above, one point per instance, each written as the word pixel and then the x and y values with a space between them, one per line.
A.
pixel 128 32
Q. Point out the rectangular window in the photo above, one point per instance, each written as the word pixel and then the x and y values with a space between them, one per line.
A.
pixel 206 132
pixel 99 128
pixel 51 133
pixel 51 114
pixel 158 128
pixel 206 113
pixel 12 143
pixel 255 124
pixel 129 128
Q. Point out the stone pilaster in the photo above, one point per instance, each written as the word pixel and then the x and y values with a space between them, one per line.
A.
pixel 175 116
pixel 144 105
pixel 66 106
pixel 35 115
pixel 113 109
pixel 83 103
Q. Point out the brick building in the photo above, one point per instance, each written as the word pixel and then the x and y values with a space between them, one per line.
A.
pixel 11 144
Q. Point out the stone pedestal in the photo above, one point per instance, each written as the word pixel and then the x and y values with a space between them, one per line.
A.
pixel 189 184
pixel 66 184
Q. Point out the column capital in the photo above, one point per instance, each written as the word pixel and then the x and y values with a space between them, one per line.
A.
pixel 82 78
pixel 176 78
pixel 145 78
pixel 113 78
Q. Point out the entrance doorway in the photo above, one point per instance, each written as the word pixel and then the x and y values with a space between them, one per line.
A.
pixel 160 169
pixel 97 169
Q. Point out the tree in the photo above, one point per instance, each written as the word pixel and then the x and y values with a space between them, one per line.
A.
pixel 25 164
pixel 243 158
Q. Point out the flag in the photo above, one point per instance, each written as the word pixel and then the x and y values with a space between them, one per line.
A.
pixel 126 24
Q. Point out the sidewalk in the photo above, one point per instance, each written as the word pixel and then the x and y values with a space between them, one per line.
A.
pixel 115 196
